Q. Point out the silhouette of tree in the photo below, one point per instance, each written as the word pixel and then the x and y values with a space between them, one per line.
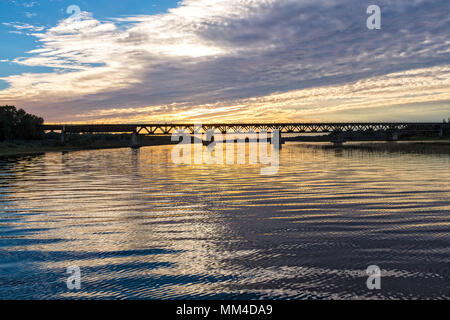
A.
pixel 17 124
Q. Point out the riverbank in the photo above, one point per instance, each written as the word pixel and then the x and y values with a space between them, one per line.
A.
pixel 76 143
pixel 437 147
pixel 18 149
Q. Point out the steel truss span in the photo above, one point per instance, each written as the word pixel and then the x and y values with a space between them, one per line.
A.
pixel 168 129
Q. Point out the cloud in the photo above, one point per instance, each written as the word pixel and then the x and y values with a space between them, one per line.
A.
pixel 30 4
pixel 405 91
pixel 23 26
pixel 30 14
pixel 250 59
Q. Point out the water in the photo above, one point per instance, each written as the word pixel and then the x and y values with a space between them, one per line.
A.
pixel 140 227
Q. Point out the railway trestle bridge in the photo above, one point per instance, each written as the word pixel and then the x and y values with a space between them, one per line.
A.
pixel 336 131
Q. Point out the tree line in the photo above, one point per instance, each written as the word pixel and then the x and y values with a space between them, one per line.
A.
pixel 16 124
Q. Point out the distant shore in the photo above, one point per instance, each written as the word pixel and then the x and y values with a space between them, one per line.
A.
pixel 432 146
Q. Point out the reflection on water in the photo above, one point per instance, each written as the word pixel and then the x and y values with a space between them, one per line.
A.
pixel 139 226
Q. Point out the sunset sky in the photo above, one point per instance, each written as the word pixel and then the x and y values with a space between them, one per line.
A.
pixel 226 60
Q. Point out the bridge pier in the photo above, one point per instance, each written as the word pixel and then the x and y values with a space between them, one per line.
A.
pixel 337 139
pixel 63 135
pixel 209 140
pixel 276 136
pixel 441 132
pixel 392 136
pixel 135 141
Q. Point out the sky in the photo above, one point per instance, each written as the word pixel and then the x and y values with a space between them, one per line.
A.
pixel 138 61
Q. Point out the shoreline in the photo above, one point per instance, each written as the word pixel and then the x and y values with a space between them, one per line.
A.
pixel 77 143
pixel 42 150
pixel 405 146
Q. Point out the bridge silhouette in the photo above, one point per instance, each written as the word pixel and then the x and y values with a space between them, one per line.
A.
pixel 336 130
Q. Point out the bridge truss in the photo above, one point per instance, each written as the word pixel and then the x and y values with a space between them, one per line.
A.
pixel 168 129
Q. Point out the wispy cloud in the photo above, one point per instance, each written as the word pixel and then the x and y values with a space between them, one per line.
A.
pixel 228 59
pixel 30 14
pixel 30 4
pixel 23 26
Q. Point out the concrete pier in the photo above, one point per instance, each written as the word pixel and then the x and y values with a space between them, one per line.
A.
pixel 276 136
pixel 337 139
pixel 392 136
pixel 63 135
pixel 135 141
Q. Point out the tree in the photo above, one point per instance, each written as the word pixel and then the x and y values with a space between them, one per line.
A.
pixel 17 124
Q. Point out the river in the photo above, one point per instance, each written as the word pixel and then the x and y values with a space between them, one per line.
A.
pixel 139 226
